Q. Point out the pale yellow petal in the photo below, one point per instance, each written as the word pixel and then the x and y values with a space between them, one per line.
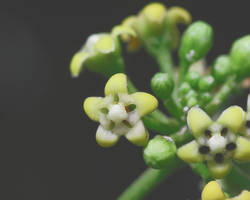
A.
pixel 123 30
pixel 116 84
pixel 154 12
pixel 219 171
pixel 233 118
pixel 105 138
pixel 242 152
pixel 77 63
pixel 145 103
pixel 212 191
pixel 105 44
pixel 92 106
pixel 190 152
pixel 244 195
pixel 138 135
pixel 198 121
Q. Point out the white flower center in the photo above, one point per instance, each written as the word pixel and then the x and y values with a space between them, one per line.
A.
pixel 117 113
pixel 217 143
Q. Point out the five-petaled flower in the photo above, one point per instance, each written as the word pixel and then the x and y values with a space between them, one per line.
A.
pixel 212 191
pixel 119 113
pixel 216 142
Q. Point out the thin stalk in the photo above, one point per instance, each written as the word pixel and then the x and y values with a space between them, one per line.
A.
pixel 131 87
pixel 182 137
pixel 183 69
pixel 202 170
pixel 164 60
pixel 236 181
pixel 225 90
pixel 157 120
pixel 145 183
pixel 173 107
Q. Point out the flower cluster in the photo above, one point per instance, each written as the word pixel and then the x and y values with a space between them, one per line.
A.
pixel 216 142
pixel 189 93
pixel 119 113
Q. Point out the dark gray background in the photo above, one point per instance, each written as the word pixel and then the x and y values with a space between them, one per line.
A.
pixel 48 148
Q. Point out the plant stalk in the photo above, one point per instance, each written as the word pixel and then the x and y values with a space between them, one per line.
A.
pixel 145 183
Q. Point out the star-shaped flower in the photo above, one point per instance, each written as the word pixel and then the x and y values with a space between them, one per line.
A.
pixel 212 191
pixel 119 113
pixel 216 142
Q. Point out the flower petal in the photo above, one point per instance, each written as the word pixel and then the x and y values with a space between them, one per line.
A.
pixel 105 138
pixel 217 170
pixel 198 121
pixel 233 118
pixel 116 84
pixel 105 44
pixel 154 12
pixel 242 152
pixel 145 103
pixel 123 30
pixel 190 152
pixel 244 195
pixel 212 191
pixel 138 135
pixel 77 63
pixel 92 106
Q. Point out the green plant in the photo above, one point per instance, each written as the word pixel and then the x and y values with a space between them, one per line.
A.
pixel 188 92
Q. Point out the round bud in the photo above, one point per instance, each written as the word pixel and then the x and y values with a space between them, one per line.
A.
pixel 193 78
pixel 240 56
pixel 190 96
pixel 196 42
pixel 221 68
pixel 159 152
pixel 184 88
pixel 206 83
pixel 162 85
pixel 205 97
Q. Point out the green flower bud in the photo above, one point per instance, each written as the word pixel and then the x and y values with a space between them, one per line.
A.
pixel 206 83
pixel 184 88
pixel 205 97
pixel 159 152
pixel 221 68
pixel 101 53
pixel 193 78
pixel 196 42
pixel 162 85
pixel 240 56
pixel 192 102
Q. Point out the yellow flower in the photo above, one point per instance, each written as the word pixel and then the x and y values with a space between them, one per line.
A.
pixel 119 113
pixel 212 191
pixel 216 142
pixel 101 53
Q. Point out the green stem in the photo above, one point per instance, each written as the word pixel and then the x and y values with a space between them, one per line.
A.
pixel 131 87
pixel 159 122
pixel 221 95
pixel 149 180
pixel 182 137
pixel 156 120
pixel 236 181
pixel 183 69
pixel 173 107
pixel 164 60
pixel 202 170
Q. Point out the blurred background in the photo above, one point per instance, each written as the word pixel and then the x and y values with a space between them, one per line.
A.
pixel 48 148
